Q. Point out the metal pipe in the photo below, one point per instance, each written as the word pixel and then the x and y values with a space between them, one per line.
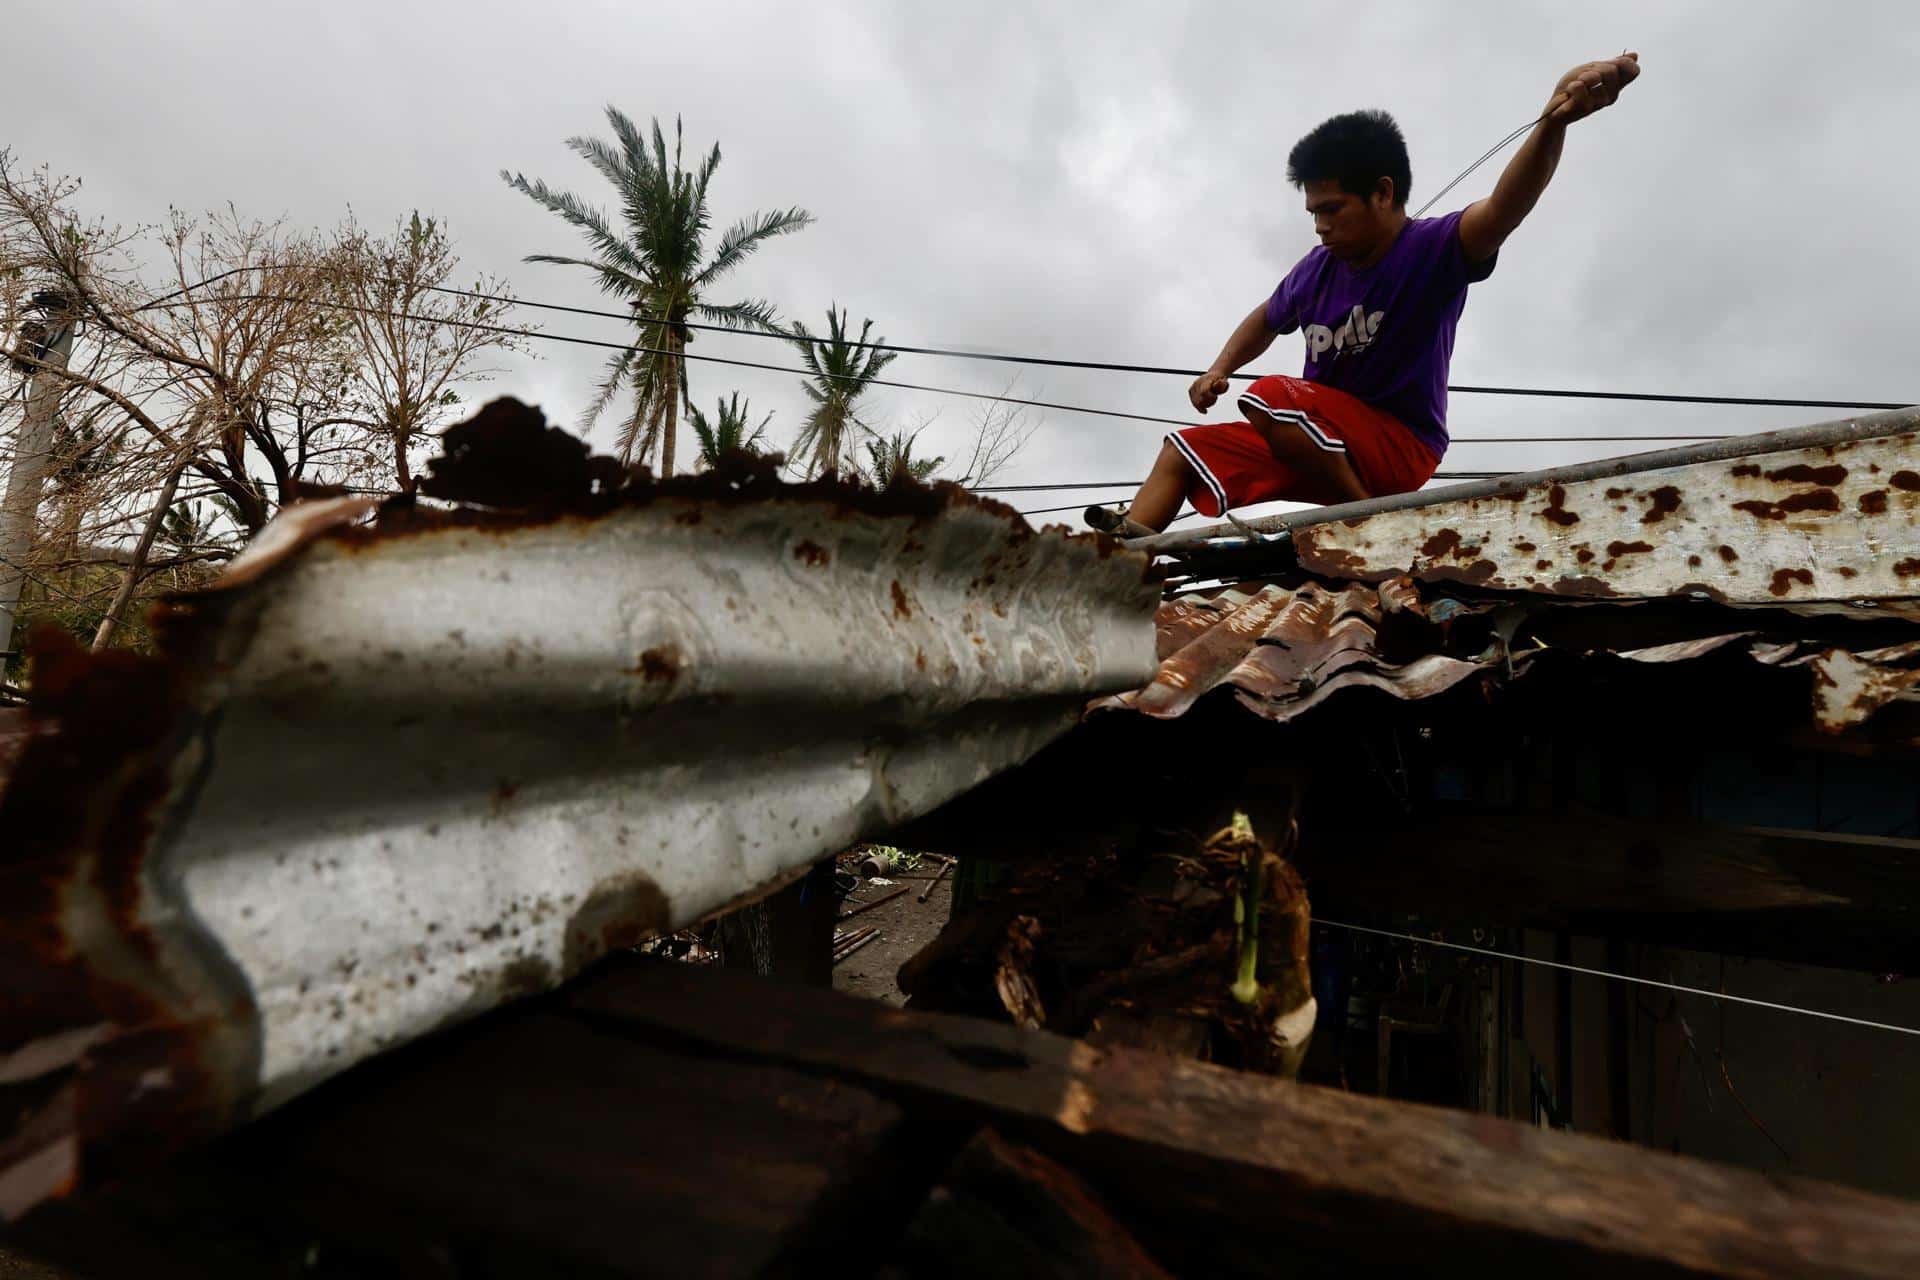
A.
pixel 877 902
pixel 844 942
pixel 856 946
pixel 1220 536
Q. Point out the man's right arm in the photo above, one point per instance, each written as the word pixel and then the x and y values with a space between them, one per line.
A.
pixel 1249 339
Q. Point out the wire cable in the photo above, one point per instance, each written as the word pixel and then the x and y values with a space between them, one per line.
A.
pixel 1104 366
pixel 635 349
pixel 1625 977
pixel 1491 152
pixel 994 397
pixel 1657 398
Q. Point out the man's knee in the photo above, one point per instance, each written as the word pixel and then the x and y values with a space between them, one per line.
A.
pixel 1171 459
pixel 1285 441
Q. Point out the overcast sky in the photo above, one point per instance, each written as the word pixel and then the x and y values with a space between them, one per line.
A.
pixel 1092 181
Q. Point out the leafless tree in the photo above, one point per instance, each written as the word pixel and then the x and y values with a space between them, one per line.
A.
pixel 416 340
pixel 1001 430
pixel 268 366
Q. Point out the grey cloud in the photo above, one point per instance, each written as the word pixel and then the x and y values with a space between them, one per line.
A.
pixel 1092 181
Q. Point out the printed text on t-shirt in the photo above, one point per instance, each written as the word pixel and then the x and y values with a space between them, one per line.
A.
pixel 1355 336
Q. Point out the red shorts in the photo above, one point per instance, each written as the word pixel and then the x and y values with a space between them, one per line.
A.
pixel 1234 467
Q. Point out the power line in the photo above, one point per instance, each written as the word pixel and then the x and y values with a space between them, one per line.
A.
pixel 1645 397
pixel 884 382
pixel 1624 977
pixel 1047 511
pixel 1110 367
pixel 742 364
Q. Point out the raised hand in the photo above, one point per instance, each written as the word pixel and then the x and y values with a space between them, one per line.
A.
pixel 1589 87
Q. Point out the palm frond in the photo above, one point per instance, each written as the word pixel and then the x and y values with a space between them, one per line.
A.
pixel 747 235
pixel 653 255
pixel 612 281
pixel 608 388
pixel 571 208
pixel 749 313
pixel 710 445
pixel 610 161
pixel 893 461
pixel 727 431
pixel 807 345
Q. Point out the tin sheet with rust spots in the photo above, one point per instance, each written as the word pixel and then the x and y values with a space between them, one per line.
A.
pixel 1284 650
pixel 387 776
pixel 1838 522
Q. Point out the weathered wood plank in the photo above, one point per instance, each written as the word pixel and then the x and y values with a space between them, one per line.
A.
pixel 1225 1170
pixel 537 1145
pixel 1804 897
pixel 1005 1209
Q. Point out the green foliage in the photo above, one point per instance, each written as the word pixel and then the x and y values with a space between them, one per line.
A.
pixel 902 859
pixel 891 460
pixel 81 454
pixel 193 526
pixel 842 370
pixel 727 431
pixel 655 260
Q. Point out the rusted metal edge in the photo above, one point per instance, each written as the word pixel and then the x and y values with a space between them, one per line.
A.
pixel 1833 520
pixel 398 776
pixel 1222 536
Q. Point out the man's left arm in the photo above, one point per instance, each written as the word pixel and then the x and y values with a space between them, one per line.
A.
pixel 1486 224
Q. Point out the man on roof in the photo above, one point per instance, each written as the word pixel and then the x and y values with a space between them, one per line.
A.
pixel 1377 303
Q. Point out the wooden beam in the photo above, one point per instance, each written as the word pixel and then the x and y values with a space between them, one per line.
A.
pixel 1004 1209
pixel 689 1120
pixel 1805 897
pixel 1225 1172
pixel 532 1144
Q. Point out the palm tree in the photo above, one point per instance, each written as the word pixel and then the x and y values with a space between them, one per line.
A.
pixel 893 461
pixel 656 261
pixel 842 368
pixel 727 432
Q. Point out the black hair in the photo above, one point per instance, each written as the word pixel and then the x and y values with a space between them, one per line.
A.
pixel 1355 150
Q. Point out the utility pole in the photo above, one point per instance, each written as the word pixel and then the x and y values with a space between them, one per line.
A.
pixel 50 340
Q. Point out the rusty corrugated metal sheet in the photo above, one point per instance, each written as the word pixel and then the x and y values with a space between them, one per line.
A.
pixel 1818 514
pixel 1832 522
pixel 385 777
pixel 1284 650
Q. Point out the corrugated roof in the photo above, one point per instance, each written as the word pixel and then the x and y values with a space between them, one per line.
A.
pixel 386 776
pixel 1798 549
pixel 1283 650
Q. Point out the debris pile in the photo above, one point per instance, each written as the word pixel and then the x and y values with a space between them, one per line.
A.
pixel 1194 946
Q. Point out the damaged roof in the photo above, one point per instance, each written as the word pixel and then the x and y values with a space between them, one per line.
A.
pixel 384 776
pixel 1285 650
pixel 1821 513
pixel 1796 550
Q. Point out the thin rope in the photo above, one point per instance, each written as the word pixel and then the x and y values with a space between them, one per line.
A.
pixel 1624 977
pixel 1492 151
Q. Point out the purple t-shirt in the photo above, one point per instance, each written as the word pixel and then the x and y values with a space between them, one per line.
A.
pixel 1385 333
